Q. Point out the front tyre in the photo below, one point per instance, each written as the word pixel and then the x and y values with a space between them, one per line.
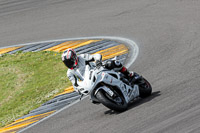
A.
pixel 117 103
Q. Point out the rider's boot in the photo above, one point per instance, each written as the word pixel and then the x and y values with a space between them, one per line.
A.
pixel 129 74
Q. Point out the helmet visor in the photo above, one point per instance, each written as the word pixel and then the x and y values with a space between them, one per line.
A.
pixel 70 63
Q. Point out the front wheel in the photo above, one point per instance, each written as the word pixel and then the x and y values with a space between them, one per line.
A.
pixel 116 103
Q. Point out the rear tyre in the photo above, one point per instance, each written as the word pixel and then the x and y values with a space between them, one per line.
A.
pixel 117 103
pixel 145 88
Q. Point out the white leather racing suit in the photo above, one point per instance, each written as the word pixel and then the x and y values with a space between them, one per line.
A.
pixel 78 72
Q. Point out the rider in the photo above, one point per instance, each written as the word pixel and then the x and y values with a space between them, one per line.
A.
pixel 76 65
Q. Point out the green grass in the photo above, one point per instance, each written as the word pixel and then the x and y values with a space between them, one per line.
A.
pixel 27 80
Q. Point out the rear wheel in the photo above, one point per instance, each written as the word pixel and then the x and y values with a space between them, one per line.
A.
pixel 116 102
pixel 145 88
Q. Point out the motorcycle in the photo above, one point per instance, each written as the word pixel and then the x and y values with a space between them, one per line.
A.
pixel 111 88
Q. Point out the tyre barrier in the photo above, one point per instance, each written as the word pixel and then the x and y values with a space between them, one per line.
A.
pixel 108 47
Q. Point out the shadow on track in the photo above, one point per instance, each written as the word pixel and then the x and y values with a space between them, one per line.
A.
pixel 136 103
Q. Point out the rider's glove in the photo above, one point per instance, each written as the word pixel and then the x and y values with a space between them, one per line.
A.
pixel 98 64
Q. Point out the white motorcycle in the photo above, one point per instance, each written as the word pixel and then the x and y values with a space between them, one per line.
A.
pixel 111 88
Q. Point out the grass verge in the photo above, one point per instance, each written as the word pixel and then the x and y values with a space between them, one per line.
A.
pixel 27 80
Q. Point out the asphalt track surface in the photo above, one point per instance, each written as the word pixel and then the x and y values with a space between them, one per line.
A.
pixel 168 35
